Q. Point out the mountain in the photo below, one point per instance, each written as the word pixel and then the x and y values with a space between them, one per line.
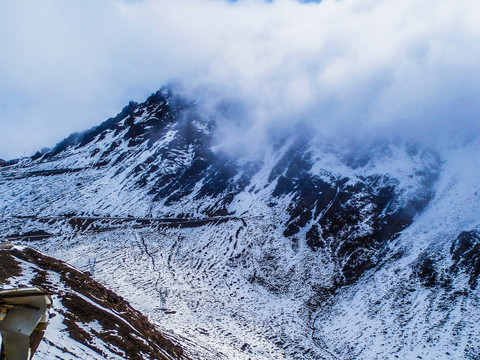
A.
pixel 304 250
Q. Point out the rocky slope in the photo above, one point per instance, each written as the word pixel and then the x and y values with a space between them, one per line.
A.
pixel 264 256
pixel 87 320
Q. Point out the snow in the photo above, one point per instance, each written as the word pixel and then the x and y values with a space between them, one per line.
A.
pixel 410 321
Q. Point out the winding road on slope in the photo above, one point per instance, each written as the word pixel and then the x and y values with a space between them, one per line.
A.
pixel 83 223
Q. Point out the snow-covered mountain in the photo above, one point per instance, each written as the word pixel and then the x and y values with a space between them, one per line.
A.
pixel 304 250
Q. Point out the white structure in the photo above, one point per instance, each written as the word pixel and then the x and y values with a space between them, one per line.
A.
pixel 23 319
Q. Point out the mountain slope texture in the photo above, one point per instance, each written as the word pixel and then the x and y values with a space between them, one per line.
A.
pixel 299 250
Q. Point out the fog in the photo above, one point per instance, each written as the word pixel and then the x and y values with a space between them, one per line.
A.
pixel 345 69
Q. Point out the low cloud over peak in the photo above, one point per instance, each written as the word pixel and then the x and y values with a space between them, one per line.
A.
pixel 351 66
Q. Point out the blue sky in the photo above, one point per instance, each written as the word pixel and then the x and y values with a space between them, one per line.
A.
pixel 354 65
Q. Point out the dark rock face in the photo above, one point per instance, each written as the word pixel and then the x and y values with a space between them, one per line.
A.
pixel 465 253
pixel 4 163
pixel 425 270
pixel 351 218
pixel 9 268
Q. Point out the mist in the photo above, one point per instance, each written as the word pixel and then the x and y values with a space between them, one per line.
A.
pixel 345 69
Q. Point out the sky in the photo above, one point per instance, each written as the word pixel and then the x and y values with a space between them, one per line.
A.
pixel 344 67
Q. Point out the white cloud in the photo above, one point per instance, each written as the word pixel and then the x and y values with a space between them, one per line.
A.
pixel 356 65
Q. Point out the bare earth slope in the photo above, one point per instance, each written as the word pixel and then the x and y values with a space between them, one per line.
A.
pixel 87 320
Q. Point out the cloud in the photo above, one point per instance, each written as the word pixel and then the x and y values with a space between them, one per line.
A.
pixel 358 67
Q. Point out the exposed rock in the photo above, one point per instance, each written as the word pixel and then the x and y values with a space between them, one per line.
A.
pixel 465 252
